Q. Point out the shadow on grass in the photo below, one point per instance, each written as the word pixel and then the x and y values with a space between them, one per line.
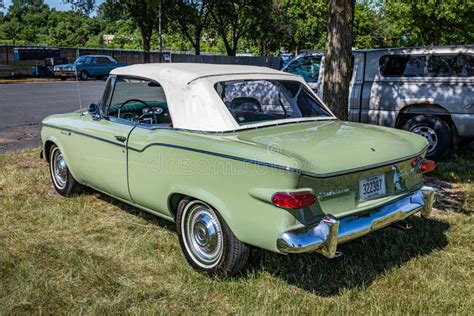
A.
pixel 155 220
pixel 363 261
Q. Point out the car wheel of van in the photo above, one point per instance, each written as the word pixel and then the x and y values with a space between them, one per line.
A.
pixel 63 181
pixel 436 131
pixel 84 75
pixel 207 242
pixel 63 78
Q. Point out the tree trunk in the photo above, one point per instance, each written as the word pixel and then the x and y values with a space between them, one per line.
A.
pixel 146 40
pixel 338 58
pixel 197 44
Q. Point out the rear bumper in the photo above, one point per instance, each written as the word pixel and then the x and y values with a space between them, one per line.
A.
pixel 325 236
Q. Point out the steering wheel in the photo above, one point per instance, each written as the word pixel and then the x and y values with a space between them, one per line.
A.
pixel 128 101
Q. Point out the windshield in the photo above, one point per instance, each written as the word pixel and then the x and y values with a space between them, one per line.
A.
pixel 83 60
pixel 253 101
pixel 307 67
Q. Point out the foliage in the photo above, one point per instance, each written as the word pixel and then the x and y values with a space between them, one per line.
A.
pixel 194 18
pixel 234 19
pixel 430 22
pixel 367 29
pixel 228 26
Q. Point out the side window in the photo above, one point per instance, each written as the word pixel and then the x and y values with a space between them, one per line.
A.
pixel 461 65
pixel 102 60
pixel 307 67
pixel 109 86
pixel 139 100
pixel 402 65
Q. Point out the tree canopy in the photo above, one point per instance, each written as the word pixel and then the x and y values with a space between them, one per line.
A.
pixel 230 26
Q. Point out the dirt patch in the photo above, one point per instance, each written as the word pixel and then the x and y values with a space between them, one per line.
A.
pixel 449 196
pixel 17 137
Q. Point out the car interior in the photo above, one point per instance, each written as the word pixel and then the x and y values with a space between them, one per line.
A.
pixel 251 101
pixel 139 101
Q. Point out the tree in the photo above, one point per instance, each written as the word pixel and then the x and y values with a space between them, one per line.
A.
pixel 82 6
pixel 338 68
pixel 368 27
pixel 430 22
pixel 71 29
pixel 192 17
pixel 144 14
pixel 235 18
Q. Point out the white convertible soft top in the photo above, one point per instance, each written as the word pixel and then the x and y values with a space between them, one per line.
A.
pixel 190 94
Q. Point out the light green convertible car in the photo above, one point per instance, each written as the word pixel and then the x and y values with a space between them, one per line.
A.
pixel 237 156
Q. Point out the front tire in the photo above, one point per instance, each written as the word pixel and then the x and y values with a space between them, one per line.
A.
pixel 84 75
pixel 62 179
pixel 436 131
pixel 207 242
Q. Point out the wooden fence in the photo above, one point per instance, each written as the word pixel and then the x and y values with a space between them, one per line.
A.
pixel 132 57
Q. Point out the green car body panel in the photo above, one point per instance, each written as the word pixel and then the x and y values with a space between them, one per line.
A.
pixel 238 172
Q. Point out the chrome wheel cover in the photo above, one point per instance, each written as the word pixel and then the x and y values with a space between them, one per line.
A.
pixel 58 169
pixel 202 234
pixel 429 134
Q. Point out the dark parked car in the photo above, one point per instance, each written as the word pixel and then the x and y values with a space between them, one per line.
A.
pixel 86 66
pixel 46 68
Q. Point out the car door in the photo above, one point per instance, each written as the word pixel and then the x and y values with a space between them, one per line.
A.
pixel 105 65
pixel 101 152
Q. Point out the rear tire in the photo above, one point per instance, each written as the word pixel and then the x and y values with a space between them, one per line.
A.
pixel 436 131
pixel 63 78
pixel 62 179
pixel 207 242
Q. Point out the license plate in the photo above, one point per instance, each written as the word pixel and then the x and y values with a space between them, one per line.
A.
pixel 373 187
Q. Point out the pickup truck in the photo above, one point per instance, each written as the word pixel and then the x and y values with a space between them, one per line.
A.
pixel 428 91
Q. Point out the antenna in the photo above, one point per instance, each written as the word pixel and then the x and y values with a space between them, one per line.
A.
pixel 77 83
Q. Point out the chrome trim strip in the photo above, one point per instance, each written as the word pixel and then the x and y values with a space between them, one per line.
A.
pixel 84 134
pixel 347 171
pixel 325 236
pixel 247 160
pixel 256 162
pixel 243 74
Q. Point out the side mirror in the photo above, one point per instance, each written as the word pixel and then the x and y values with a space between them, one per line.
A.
pixel 94 111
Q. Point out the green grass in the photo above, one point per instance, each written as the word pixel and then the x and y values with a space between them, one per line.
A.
pixel 95 255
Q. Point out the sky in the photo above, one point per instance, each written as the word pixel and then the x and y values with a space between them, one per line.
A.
pixel 57 4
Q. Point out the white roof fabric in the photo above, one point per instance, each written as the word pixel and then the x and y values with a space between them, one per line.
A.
pixel 192 100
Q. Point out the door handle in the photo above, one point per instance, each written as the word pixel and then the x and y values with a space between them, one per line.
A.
pixel 121 138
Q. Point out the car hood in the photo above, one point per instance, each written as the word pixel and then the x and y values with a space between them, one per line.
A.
pixel 324 148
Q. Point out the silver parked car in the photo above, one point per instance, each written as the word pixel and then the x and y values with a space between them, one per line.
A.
pixel 429 91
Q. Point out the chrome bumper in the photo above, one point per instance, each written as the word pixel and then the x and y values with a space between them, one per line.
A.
pixel 325 236
pixel 64 73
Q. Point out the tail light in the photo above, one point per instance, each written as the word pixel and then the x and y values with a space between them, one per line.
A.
pixel 293 200
pixel 423 165
pixel 427 166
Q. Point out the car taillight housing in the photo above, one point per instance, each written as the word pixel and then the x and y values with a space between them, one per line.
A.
pixel 427 166
pixel 293 200
pixel 423 165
